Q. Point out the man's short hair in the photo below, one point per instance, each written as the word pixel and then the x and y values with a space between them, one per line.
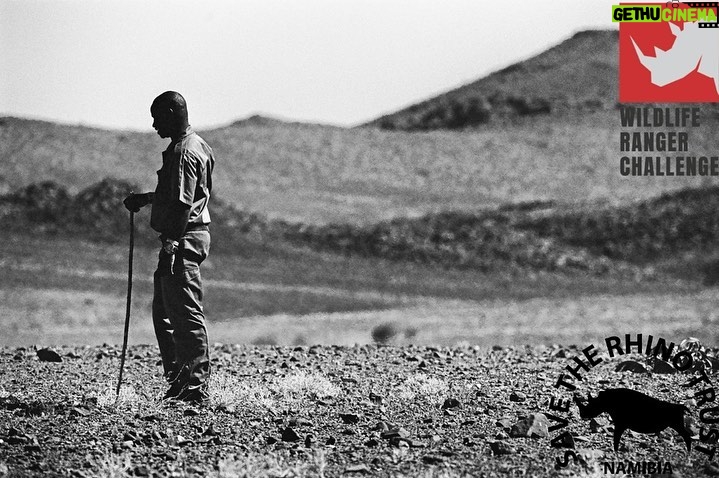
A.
pixel 171 99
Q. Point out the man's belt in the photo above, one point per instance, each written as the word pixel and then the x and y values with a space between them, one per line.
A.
pixel 197 227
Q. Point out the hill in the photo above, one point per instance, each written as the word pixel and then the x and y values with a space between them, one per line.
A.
pixel 580 75
pixel 539 236
pixel 551 134
pixel 322 174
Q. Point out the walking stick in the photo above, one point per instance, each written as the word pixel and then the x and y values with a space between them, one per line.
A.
pixel 129 300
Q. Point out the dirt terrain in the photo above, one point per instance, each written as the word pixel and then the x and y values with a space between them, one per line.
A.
pixel 329 411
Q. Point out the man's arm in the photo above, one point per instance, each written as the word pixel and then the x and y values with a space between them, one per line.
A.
pixel 178 214
pixel 134 202
pixel 176 219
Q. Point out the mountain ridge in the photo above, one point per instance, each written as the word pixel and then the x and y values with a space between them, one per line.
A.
pixel 554 81
pixel 321 174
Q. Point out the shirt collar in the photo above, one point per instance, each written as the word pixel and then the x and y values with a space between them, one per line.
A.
pixel 188 131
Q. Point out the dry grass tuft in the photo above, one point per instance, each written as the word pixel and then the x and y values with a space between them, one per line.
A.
pixel 112 466
pixel 305 385
pixel 129 400
pixel 422 387
pixel 230 392
pixel 272 465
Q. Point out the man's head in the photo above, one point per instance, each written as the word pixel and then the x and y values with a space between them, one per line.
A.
pixel 169 114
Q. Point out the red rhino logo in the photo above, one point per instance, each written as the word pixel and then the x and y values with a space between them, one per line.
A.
pixel 694 48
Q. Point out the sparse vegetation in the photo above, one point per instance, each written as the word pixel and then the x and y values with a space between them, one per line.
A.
pixel 441 414
pixel 319 175
pixel 126 399
pixel 274 465
pixel 304 385
pixel 536 86
pixel 113 466
pixel 384 333
pixel 537 236
pixel 420 387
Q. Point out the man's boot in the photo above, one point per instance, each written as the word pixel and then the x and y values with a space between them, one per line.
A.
pixel 177 381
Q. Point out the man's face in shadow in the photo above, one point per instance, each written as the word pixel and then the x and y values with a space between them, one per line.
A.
pixel 164 120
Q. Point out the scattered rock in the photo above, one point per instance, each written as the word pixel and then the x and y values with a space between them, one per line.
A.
pixel 289 435
pixel 432 460
pixel 505 423
pixel 151 418
pixel 535 425
pixel 565 440
pixel 517 397
pixel 141 470
pixel 383 426
pixel 398 432
pixel 399 442
pixel 36 408
pixel 301 422
pixel 80 411
pixel 376 399
pixel 450 403
pixel 597 425
pixel 371 443
pixel 501 448
pixel 691 424
pixel 712 468
pixel 631 366
pixel 48 355
pixel 588 456
pixel 349 418
pixel 358 468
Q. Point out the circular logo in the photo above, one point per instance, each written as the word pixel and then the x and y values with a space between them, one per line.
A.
pixel 653 394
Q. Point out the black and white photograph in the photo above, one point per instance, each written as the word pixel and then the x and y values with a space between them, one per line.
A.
pixel 349 238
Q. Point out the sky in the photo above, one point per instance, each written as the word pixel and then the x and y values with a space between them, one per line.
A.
pixel 342 62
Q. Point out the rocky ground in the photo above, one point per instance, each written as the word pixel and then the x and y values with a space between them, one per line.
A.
pixel 333 411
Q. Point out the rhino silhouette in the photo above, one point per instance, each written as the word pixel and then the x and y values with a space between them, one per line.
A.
pixel 694 48
pixel 636 411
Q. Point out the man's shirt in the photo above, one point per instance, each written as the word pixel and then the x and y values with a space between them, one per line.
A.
pixel 185 176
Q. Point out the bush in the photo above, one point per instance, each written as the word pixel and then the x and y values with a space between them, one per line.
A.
pixel 383 333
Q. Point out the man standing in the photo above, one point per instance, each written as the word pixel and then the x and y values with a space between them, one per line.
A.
pixel 180 215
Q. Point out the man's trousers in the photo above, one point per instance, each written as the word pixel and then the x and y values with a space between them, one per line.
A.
pixel 177 312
